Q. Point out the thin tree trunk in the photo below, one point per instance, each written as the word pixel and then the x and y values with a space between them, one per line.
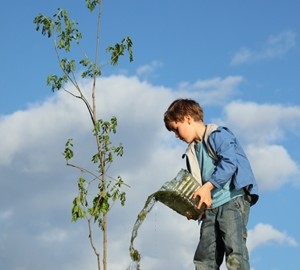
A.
pixel 105 242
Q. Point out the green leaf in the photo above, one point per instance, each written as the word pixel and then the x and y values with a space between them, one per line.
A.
pixel 118 50
pixel 91 4
pixel 68 153
pixel 77 210
pixel 56 82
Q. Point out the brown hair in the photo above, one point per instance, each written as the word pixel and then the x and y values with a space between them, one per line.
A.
pixel 181 108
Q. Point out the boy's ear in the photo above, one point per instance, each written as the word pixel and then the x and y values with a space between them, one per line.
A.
pixel 188 118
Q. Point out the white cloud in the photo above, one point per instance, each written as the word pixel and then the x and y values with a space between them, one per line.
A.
pixel 264 234
pixel 274 47
pixel 273 166
pixel 34 129
pixel 33 166
pixel 214 91
pixel 53 236
pixel 262 123
pixel 146 71
pixel 6 214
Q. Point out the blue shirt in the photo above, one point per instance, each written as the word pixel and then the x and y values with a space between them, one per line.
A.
pixel 207 166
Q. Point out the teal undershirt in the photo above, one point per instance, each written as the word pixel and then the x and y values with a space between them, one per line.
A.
pixel 207 167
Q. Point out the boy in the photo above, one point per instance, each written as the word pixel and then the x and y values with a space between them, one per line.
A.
pixel 228 187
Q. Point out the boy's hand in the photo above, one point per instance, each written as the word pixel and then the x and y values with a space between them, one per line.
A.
pixel 204 193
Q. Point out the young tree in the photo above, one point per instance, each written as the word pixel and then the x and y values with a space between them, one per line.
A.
pixel 93 209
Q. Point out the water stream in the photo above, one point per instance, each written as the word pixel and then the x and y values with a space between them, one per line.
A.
pixel 177 195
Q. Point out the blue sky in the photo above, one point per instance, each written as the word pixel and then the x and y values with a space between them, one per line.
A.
pixel 239 59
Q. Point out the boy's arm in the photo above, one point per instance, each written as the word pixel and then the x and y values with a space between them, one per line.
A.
pixel 224 144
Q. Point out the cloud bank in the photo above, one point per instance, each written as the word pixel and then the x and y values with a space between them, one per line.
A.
pixel 37 189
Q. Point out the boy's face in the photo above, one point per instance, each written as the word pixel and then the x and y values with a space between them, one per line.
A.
pixel 184 130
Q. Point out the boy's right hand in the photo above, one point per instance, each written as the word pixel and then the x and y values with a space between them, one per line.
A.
pixel 204 194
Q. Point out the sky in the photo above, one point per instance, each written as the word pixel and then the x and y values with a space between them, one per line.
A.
pixel 239 59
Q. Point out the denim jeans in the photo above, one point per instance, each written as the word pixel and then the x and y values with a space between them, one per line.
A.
pixel 224 232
